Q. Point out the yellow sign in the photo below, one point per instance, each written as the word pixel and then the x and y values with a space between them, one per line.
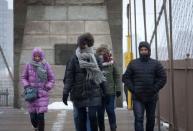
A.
pixel 128 56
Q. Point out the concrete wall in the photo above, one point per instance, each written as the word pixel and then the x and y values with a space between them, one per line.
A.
pixel 48 24
pixel 114 8
pixel 20 10
pixel 64 2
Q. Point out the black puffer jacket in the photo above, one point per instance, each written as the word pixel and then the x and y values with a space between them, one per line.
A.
pixel 144 78
pixel 82 92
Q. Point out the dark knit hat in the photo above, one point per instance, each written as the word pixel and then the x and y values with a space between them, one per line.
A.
pixel 144 44
pixel 86 39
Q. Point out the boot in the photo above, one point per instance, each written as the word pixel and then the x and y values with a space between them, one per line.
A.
pixel 41 126
pixel 113 129
pixel 102 129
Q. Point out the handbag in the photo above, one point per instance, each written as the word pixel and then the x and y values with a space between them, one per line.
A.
pixel 30 94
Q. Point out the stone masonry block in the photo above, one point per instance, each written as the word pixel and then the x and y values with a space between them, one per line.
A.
pixel 58 27
pixel 37 27
pixel 55 39
pixel 87 13
pixel 61 2
pixel 40 13
pixel 40 2
pixel 59 71
pixel 43 41
pixel 97 27
pixel 72 39
pixel 75 27
pixel 31 41
pixel 36 13
pixel 57 13
pixel 67 27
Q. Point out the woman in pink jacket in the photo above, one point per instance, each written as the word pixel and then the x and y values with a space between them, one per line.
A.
pixel 38 74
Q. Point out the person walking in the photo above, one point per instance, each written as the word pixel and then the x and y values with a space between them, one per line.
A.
pixel 144 77
pixel 83 81
pixel 112 88
pixel 38 74
pixel 75 110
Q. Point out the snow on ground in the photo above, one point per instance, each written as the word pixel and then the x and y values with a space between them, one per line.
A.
pixel 60 105
pixel 164 124
pixel 124 104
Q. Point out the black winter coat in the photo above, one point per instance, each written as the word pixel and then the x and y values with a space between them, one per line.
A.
pixel 83 92
pixel 144 78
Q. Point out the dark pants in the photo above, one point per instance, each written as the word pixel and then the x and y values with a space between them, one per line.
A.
pixel 75 114
pixel 139 108
pixel 108 104
pixel 37 121
pixel 82 118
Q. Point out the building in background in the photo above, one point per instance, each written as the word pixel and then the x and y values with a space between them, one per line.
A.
pixel 6 44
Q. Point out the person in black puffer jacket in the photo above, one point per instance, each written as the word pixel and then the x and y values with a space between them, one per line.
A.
pixel 144 77
pixel 83 79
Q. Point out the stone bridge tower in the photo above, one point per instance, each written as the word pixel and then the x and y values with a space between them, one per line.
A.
pixel 54 25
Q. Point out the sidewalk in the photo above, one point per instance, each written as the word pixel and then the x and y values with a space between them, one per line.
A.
pixel 57 120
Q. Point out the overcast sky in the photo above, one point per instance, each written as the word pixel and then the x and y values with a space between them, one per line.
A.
pixel 140 24
pixel 10 4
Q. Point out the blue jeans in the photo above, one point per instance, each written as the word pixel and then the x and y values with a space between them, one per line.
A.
pixel 85 120
pixel 109 105
pixel 75 114
pixel 139 108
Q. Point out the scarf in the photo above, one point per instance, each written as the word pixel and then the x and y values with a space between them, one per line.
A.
pixel 108 63
pixel 41 72
pixel 88 61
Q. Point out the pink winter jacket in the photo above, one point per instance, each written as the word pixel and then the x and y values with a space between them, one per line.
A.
pixel 28 78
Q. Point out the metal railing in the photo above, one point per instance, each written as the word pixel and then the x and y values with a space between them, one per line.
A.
pixel 6 64
pixel 4 95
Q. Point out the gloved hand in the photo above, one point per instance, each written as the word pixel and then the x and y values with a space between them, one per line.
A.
pixel 26 86
pixel 65 98
pixel 102 86
pixel 118 93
